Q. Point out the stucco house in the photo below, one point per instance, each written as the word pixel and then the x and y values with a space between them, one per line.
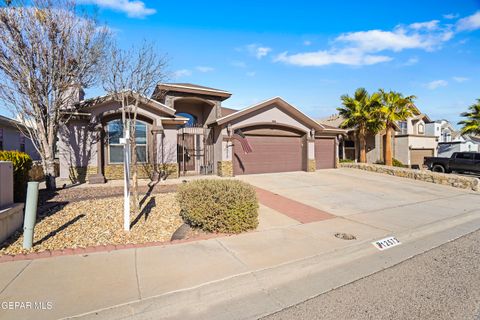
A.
pixel 12 138
pixel 410 143
pixel 349 144
pixel 184 130
pixel 451 140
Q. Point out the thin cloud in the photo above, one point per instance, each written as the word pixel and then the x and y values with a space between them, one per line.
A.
pixel 320 58
pixel 428 25
pixel 401 38
pixel 451 16
pixel 460 79
pixel 364 47
pixel 182 73
pixel 204 69
pixel 436 84
pixel 469 23
pixel 133 8
pixel 411 61
pixel 307 43
pixel 251 74
pixel 258 51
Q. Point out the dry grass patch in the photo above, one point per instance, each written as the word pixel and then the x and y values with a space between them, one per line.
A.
pixel 100 222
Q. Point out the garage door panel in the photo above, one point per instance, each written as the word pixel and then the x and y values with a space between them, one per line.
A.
pixel 417 155
pixel 325 153
pixel 270 154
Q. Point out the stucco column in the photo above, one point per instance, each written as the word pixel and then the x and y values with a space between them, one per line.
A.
pixel 98 177
pixel 225 165
pixel 311 163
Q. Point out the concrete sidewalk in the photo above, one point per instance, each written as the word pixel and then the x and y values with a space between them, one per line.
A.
pixel 78 285
pixel 245 276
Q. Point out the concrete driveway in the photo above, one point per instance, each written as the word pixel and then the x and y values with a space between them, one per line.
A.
pixel 382 201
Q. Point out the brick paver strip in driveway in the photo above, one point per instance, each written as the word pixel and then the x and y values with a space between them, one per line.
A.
pixel 291 208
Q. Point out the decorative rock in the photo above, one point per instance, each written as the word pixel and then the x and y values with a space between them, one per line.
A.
pixel 420 175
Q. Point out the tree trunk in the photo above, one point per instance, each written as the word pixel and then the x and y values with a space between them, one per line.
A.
pixel 49 170
pixel 388 147
pixel 363 146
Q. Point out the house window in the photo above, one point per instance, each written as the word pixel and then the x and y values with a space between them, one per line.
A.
pixel 447 137
pixel 115 149
pixel 421 128
pixel 403 127
pixel 1 138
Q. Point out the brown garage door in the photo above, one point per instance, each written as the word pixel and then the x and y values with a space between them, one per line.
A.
pixel 270 154
pixel 325 153
pixel 417 155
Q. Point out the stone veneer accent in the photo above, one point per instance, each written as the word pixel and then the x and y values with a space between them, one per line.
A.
pixel 421 175
pixel 80 174
pixel 225 168
pixel 312 165
pixel 145 171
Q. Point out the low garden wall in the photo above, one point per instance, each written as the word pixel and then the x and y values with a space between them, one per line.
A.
pixel 469 183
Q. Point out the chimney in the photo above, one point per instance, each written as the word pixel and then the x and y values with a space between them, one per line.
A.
pixel 73 95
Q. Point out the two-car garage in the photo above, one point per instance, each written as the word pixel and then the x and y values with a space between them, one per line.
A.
pixel 279 138
pixel 279 150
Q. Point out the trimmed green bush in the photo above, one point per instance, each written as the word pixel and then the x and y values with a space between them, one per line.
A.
pixel 397 163
pixel 22 163
pixel 215 205
pixel 346 161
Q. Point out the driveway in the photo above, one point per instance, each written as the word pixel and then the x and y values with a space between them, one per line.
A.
pixel 382 201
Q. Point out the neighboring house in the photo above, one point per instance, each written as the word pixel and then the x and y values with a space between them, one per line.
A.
pixel 450 140
pixel 410 144
pixel 11 138
pixel 183 129
pixel 349 144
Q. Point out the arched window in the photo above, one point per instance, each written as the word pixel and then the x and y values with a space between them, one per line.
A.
pixel 192 120
pixel 421 128
pixel 115 149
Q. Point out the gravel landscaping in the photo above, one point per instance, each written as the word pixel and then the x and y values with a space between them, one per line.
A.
pixel 100 222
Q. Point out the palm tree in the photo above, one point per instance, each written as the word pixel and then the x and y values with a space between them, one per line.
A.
pixel 472 124
pixel 362 112
pixel 395 107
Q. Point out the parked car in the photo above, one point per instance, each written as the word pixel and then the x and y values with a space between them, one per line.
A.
pixel 458 162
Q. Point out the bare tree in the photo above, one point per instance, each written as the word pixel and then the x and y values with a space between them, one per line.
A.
pixel 47 50
pixel 131 76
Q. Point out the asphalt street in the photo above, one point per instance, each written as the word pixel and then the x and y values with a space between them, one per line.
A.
pixel 443 283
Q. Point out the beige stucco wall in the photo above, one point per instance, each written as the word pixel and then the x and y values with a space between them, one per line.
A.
pixel 271 114
pixel 403 145
pixel 79 140
pixel 268 115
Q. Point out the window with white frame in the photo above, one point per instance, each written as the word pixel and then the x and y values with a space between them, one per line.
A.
pixel 403 127
pixel 421 128
pixel 115 149
pixel 447 136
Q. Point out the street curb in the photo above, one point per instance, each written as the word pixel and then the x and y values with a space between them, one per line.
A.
pixel 101 248
pixel 272 289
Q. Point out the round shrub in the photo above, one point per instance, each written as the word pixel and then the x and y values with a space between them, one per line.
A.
pixel 215 205
pixel 22 163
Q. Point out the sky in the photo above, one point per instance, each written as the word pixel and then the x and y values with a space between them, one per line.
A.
pixel 311 52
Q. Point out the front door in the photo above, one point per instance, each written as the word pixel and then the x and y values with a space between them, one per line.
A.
pixel 186 152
